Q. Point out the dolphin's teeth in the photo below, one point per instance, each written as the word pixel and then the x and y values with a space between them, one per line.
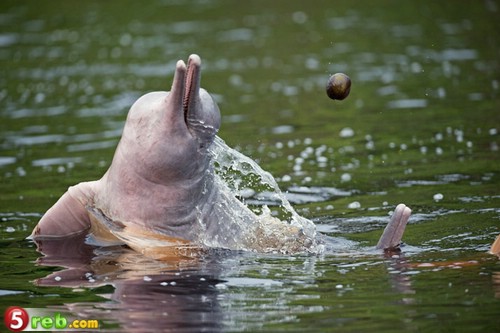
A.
pixel 187 88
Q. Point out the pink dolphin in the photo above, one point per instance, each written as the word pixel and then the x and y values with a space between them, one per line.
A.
pixel 160 194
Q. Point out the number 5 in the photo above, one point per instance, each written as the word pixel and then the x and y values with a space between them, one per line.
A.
pixel 17 317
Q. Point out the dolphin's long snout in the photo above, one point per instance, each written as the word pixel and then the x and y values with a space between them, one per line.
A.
pixel 186 87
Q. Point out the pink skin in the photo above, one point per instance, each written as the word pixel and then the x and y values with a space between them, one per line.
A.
pixel 495 247
pixel 161 182
pixel 393 232
pixel 159 170
pixel 68 216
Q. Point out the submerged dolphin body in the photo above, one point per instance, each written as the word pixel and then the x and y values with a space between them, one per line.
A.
pixel 161 193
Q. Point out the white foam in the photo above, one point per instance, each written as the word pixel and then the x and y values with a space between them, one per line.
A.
pixel 236 172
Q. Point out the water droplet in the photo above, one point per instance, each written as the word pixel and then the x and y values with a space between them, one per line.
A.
pixel 354 205
pixel 299 17
pixel 346 132
pixel 438 197
pixel 20 171
pixel 346 177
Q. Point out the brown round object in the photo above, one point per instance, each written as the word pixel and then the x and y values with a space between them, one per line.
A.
pixel 339 86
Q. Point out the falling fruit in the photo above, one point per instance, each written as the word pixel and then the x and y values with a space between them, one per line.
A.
pixel 339 86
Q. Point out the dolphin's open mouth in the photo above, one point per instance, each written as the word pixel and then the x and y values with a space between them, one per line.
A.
pixel 200 113
pixel 191 83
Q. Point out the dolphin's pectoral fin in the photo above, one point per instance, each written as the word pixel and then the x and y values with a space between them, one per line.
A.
pixel 495 247
pixel 393 232
pixel 68 215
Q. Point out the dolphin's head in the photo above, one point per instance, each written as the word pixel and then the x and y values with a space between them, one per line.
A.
pixel 167 134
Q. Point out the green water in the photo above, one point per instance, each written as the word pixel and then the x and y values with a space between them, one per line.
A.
pixel 420 127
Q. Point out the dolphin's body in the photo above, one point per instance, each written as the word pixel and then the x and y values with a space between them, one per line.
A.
pixel 160 191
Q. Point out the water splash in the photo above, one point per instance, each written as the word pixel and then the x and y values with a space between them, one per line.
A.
pixel 244 177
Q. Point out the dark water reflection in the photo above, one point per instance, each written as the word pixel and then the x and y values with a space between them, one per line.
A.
pixel 420 127
pixel 147 295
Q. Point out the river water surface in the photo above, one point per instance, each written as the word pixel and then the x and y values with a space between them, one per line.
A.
pixel 420 127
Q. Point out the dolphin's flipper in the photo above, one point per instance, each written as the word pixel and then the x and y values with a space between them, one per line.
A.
pixel 393 232
pixel 68 216
pixel 495 247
